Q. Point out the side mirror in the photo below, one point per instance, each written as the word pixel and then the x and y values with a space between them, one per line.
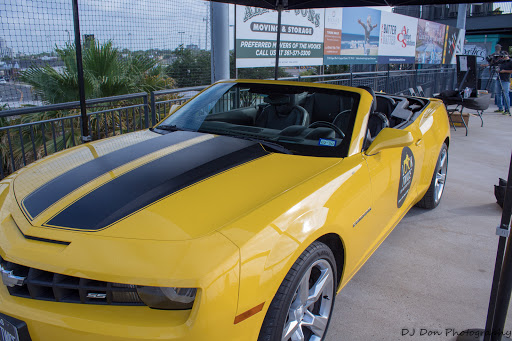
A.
pixel 389 138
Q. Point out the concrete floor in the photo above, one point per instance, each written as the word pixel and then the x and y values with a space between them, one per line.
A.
pixel 434 271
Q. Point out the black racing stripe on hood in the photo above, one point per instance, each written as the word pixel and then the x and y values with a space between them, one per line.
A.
pixel 51 192
pixel 145 185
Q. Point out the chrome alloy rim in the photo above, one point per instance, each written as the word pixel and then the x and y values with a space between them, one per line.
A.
pixel 311 304
pixel 441 175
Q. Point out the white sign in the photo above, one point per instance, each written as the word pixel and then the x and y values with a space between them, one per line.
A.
pixel 397 38
pixel 332 32
pixel 302 36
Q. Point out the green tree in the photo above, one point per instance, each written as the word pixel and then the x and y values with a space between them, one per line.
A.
pixel 334 69
pixel 106 73
pixel 190 68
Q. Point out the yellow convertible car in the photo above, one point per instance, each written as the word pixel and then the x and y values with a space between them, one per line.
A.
pixel 238 217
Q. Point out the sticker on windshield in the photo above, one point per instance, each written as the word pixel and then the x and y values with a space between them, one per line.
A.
pixel 327 143
pixel 406 173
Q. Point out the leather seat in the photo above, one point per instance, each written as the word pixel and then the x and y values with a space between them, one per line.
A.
pixel 376 122
pixel 281 113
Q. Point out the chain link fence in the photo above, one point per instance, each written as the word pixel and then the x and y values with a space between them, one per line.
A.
pixel 128 46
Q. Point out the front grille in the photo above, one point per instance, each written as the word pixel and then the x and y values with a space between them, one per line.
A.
pixel 50 286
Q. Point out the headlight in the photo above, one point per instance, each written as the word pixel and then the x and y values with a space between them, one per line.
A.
pixel 167 298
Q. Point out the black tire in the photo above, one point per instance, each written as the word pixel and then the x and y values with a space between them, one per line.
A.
pixel 278 313
pixel 432 198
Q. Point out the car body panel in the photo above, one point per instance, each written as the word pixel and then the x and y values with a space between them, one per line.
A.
pixel 234 234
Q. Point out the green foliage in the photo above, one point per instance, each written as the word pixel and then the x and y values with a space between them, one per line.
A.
pixel 334 69
pixel 106 73
pixel 190 68
pixel 309 72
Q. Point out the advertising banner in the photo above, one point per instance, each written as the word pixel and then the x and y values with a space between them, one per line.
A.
pixel 453 44
pixel 302 36
pixel 430 42
pixel 479 49
pixel 332 31
pixel 397 43
pixel 359 37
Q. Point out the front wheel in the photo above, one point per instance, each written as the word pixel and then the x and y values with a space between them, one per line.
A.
pixel 435 191
pixel 302 307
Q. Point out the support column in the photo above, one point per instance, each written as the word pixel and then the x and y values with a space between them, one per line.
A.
pixel 461 16
pixel 219 13
pixel 86 137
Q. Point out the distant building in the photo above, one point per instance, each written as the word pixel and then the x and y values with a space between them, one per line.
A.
pixel 192 47
pixel 5 51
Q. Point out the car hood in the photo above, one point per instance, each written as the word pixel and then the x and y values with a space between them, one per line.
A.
pixel 144 185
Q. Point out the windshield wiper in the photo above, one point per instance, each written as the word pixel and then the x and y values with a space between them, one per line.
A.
pixel 167 127
pixel 276 146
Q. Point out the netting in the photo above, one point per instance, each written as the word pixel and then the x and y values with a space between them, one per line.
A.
pixel 128 46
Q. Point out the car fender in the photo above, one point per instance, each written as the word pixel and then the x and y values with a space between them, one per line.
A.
pixel 329 204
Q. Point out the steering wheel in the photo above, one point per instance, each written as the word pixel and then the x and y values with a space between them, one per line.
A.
pixel 326 124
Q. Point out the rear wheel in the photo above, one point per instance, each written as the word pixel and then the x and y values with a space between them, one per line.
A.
pixel 434 193
pixel 302 307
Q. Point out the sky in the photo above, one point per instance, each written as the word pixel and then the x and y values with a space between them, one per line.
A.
pixel 35 26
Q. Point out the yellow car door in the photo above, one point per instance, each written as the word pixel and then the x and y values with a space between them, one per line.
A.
pixel 393 160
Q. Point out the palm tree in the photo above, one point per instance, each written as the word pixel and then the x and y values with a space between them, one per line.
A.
pixel 106 73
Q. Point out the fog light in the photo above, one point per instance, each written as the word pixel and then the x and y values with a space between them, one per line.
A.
pixel 167 298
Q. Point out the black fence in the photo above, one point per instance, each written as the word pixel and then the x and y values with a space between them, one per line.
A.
pixel 405 82
pixel 31 133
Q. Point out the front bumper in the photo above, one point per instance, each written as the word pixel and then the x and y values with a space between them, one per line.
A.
pixel 68 321
pixel 210 264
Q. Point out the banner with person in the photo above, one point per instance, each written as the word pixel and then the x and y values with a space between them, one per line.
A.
pixel 302 37
pixel 359 37
pixel 397 43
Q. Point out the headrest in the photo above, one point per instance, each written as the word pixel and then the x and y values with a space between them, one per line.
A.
pixel 277 99
pixel 370 90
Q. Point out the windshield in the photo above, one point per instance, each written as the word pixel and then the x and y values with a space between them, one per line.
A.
pixel 302 120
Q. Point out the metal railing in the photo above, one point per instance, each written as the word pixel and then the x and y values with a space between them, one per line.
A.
pixel 30 133
pixel 433 80
pixel 163 100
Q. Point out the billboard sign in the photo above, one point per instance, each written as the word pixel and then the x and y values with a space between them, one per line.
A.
pixel 332 31
pixel 430 42
pixel 479 49
pixel 359 36
pixel 302 37
pixel 397 43
pixel 453 44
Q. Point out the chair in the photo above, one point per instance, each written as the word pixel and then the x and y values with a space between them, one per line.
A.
pixel 281 113
pixel 377 120
pixel 421 93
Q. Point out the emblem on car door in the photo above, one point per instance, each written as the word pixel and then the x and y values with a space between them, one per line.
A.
pixel 406 173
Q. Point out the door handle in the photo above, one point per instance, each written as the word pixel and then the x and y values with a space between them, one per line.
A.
pixel 418 142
